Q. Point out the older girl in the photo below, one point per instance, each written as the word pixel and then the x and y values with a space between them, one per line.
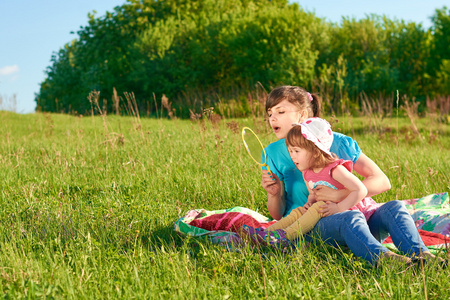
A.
pixel 286 188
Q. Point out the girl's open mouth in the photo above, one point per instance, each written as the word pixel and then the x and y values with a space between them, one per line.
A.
pixel 276 129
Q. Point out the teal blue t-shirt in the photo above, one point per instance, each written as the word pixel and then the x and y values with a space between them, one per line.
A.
pixel 280 163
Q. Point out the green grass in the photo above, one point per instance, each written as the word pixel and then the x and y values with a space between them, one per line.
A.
pixel 88 206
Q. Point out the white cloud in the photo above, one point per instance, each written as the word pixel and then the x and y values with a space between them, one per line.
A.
pixel 8 70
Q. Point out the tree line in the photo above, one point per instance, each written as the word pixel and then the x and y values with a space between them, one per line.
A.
pixel 205 52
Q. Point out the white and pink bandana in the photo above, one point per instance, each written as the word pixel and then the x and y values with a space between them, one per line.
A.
pixel 319 132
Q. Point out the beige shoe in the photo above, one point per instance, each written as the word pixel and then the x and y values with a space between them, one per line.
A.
pixel 394 261
pixel 391 256
pixel 430 258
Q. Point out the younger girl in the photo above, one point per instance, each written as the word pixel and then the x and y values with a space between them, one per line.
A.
pixel 309 147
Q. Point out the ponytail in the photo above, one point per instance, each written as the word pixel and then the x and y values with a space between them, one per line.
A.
pixel 316 105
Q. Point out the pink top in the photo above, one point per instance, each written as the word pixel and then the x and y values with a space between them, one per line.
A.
pixel 367 205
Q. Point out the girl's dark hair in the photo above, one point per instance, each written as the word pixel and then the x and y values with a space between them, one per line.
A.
pixel 295 138
pixel 297 96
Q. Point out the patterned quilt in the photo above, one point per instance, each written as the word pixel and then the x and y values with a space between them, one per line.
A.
pixel 430 213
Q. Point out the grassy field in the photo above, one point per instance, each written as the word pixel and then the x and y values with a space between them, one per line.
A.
pixel 88 206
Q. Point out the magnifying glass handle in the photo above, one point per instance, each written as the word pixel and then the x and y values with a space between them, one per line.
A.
pixel 268 169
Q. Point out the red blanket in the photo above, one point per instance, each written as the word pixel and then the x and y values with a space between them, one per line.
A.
pixel 229 221
pixel 428 238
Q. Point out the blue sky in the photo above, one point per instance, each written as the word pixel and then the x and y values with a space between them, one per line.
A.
pixel 31 30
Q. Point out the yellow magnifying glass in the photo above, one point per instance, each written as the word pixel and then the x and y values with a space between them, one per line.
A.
pixel 254 147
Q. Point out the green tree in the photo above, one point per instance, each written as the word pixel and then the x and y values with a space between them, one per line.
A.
pixel 440 51
pixel 205 47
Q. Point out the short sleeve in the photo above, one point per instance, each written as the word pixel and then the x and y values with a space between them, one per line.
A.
pixel 345 147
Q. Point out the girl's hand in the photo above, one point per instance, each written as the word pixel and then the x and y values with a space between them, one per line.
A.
pixel 311 201
pixel 329 209
pixel 325 193
pixel 271 183
pixel 305 207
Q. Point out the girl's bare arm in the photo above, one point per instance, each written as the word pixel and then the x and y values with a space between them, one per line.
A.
pixel 357 191
pixel 375 181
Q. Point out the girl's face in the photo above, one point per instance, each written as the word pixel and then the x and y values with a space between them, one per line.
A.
pixel 282 115
pixel 301 157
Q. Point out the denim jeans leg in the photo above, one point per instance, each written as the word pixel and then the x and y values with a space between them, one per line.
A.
pixel 393 218
pixel 351 229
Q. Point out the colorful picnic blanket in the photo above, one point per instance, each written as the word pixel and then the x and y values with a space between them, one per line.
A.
pixel 430 213
pixel 219 226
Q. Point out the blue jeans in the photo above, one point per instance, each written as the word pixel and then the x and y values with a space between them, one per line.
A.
pixel 364 238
